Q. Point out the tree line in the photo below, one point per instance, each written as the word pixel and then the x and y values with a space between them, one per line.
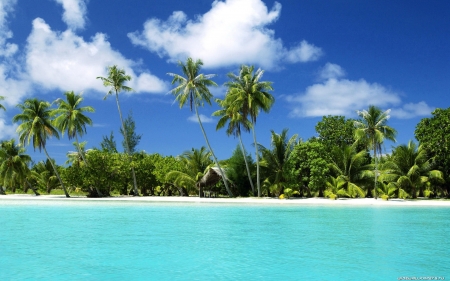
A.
pixel 344 160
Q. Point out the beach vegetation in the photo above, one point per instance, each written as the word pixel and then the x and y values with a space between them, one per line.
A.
pixel 36 126
pixel 248 96
pixel 192 87
pixel 372 130
pixel 116 83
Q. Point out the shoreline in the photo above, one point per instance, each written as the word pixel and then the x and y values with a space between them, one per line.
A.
pixel 239 201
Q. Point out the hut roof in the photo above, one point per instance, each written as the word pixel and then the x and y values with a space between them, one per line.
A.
pixel 211 177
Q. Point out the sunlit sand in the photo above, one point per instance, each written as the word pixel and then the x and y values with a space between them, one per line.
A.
pixel 251 200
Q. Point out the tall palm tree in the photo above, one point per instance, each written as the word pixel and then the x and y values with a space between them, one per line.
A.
pixel 350 169
pixel 372 130
pixel 276 159
pixel 235 121
pixel 409 169
pixel 116 80
pixel 14 164
pixel 193 87
pixel 36 125
pixel 249 95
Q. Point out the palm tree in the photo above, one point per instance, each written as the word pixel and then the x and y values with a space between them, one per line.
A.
pixel 335 188
pixel 372 129
pixel 409 169
pixel 43 174
pixel 195 164
pixel 276 159
pixel 193 87
pixel 37 126
pixel 14 164
pixel 116 80
pixel 235 121
pixel 350 169
pixel 70 117
pixel 248 95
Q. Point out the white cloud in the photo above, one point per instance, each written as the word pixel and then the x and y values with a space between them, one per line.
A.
pixel 13 84
pixel 65 61
pixel 304 52
pixel 203 118
pixel 74 13
pixel 232 32
pixel 6 131
pixel 344 97
pixel 331 70
pixel 13 89
pixel 6 49
pixel 341 97
pixel 411 110
pixel 150 83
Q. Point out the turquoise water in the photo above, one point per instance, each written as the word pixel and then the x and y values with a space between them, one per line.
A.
pixel 154 241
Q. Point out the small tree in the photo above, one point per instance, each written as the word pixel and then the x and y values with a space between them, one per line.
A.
pixel 108 144
pixel 132 139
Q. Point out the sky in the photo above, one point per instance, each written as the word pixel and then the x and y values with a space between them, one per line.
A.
pixel 329 57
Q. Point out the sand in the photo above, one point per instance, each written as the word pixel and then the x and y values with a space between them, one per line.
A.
pixel 250 201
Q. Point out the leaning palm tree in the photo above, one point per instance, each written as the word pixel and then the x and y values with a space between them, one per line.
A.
pixel 193 87
pixel 14 164
pixel 248 95
pixel 116 80
pixel 36 125
pixel 372 130
pixel 235 121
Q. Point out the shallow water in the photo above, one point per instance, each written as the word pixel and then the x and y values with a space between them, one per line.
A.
pixel 196 241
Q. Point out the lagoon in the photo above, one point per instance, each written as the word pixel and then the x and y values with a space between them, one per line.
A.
pixel 85 240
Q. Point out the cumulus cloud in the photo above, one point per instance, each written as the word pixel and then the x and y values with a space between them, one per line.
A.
pixel 340 97
pixel 331 70
pixel 304 52
pixel 6 49
pixel 13 89
pixel 334 96
pixel 65 61
pixel 6 131
pixel 232 32
pixel 74 13
pixel 203 118
pixel 411 110
pixel 13 83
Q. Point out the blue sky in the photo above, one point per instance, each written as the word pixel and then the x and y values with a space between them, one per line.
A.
pixel 324 57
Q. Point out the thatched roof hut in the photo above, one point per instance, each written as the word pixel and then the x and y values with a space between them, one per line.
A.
pixel 211 177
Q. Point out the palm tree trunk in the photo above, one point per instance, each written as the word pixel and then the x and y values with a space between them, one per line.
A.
pixel 246 164
pixel 33 188
pixel 136 192
pixel 212 153
pixel 99 193
pixel 257 160
pixel 56 172
pixel 376 172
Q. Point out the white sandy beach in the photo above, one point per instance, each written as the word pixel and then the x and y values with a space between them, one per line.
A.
pixel 252 200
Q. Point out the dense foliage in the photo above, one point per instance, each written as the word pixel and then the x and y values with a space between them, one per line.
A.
pixel 337 163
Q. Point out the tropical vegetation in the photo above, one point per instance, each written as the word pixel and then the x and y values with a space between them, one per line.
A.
pixel 344 160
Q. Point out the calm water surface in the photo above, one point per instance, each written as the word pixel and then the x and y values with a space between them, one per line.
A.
pixel 153 241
